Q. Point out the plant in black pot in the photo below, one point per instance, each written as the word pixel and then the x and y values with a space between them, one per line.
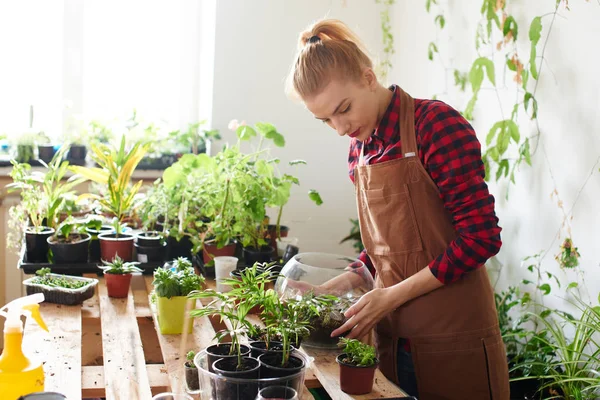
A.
pixel 357 366
pixel 236 363
pixel 46 150
pixel 69 244
pixel 192 380
pixel 116 167
pixel 151 247
pixel 27 218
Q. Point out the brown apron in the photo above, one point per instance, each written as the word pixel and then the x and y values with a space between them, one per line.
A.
pixel 455 340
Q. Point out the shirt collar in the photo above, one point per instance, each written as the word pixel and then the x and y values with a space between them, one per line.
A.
pixel 388 126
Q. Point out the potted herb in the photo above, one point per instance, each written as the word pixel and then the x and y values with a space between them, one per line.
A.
pixel 69 245
pixel 117 166
pixel 60 289
pixel 236 363
pixel 118 276
pixel 192 380
pixel 172 284
pixel 28 216
pixel 357 366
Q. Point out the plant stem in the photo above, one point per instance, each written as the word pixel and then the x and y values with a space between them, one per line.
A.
pixel 278 234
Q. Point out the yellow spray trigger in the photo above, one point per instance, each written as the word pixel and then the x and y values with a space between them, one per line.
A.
pixel 35 313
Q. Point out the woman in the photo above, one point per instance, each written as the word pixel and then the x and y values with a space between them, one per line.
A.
pixel 427 223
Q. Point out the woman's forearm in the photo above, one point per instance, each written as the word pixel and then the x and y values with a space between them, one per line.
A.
pixel 417 285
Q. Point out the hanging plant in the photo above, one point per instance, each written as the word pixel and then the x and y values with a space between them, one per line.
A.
pixel 568 256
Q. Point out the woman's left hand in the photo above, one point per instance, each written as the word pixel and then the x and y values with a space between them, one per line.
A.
pixel 366 312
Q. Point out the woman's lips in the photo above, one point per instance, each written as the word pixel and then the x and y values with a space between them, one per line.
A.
pixel 355 133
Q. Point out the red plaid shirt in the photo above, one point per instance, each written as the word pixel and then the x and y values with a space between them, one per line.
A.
pixel 449 150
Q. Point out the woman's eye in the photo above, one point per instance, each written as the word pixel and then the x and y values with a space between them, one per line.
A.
pixel 325 121
pixel 346 110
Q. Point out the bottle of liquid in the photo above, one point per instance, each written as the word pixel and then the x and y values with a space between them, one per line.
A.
pixel 19 374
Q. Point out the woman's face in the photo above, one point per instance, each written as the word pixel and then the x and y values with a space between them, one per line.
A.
pixel 351 108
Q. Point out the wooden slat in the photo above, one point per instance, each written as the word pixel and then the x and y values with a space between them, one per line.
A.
pixel 124 365
pixel 60 348
pixel 93 380
pixel 175 347
pixel 327 371
pixel 91 308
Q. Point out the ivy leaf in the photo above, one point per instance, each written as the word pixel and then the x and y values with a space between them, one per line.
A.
pixel 526 152
pixel 514 131
pixel 296 162
pixel 525 78
pixel 529 97
pixel 535 30
pixel 494 153
pixel 532 62
pixel 493 132
pixel 510 25
pixel 486 165
pixel 545 288
pixel 440 20
pixel 503 168
pixel 476 76
pixel 468 113
pixel 510 64
pixel 245 132
pixel 315 196
pixel 430 50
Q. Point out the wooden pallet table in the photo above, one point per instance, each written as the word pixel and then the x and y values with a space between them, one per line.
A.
pixel 112 348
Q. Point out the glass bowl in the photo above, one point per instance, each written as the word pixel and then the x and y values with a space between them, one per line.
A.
pixel 328 283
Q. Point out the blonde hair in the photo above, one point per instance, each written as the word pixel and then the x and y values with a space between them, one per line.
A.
pixel 327 49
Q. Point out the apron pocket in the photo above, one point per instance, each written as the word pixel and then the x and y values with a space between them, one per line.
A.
pixel 390 222
pixel 452 371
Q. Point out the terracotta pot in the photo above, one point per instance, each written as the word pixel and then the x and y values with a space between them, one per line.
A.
pixel 117 284
pixel 210 251
pixel 354 379
pixel 111 245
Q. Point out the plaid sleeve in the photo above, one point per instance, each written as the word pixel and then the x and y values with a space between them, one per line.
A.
pixel 451 154
pixel 364 257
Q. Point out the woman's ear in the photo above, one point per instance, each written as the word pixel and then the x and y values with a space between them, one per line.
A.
pixel 369 78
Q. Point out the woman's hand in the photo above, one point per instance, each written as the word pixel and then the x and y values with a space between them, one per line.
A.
pixel 366 313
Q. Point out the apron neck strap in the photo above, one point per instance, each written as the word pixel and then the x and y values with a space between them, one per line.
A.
pixel 406 123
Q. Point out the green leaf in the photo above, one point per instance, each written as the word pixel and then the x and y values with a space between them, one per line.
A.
pixel 245 132
pixel 315 196
pixel 497 127
pixel 510 25
pixel 545 288
pixel 494 153
pixel 545 313
pixel 514 131
pixel 503 169
pixel 526 152
pixel 535 30
pixel 266 129
pixel 532 62
pixel 572 285
pixel 510 64
pixel 468 113
pixel 525 78
pixel 296 162
pixel 430 50
pixel 529 97
pixel 441 21
pixel 526 282
pixel 476 76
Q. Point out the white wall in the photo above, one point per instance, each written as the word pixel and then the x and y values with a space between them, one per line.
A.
pixel 255 45
pixel 569 105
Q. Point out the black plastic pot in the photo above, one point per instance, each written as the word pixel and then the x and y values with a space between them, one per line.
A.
pixel 72 252
pixel 151 253
pixel 46 152
pixel 150 239
pixel 252 255
pixel 36 245
pixel 192 378
pixel 228 390
pixel 259 348
pixel 95 243
pixel 270 367
pixel 181 248
pixel 77 152
pixel 218 351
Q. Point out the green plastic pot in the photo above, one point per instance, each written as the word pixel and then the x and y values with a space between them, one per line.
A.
pixel 171 315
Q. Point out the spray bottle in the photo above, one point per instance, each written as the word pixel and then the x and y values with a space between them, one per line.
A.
pixel 20 375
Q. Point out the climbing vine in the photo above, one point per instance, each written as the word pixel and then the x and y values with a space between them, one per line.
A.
pixel 388 39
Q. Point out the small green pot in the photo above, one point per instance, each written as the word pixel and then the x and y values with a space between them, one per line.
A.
pixel 171 315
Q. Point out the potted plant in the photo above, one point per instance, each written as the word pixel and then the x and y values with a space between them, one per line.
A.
pixel 116 168
pixel 192 380
pixel 28 216
pixel 194 139
pixel 77 135
pixel 172 284
pixel 236 363
pixel 94 227
pixel 46 150
pixel 118 276
pixel 69 244
pixel 357 366
pixel 60 289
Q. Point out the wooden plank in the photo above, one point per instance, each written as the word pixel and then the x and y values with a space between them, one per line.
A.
pixel 60 348
pixel 175 347
pixel 125 372
pixel 91 342
pixel 327 371
pixel 93 380
pixel 91 307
